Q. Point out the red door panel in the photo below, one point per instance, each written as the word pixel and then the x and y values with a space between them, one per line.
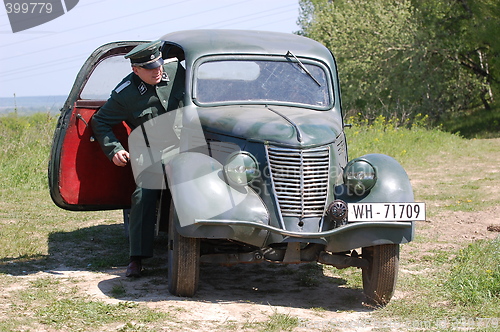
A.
pixel 86 179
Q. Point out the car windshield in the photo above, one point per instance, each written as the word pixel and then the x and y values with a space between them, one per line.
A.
pixel 261 81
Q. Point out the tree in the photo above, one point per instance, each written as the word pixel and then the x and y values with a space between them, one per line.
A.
pixel 406 57
pixel 466 34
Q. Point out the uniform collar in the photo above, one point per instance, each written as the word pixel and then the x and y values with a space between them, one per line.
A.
pixel 143 87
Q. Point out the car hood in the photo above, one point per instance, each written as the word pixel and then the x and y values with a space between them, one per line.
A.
pixel 275 124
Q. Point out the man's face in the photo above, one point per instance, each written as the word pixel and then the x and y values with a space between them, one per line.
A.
pixel 149 76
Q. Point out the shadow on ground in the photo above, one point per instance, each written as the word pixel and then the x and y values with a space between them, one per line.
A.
pixel 295 286
pixel 104 249
pixel 91 248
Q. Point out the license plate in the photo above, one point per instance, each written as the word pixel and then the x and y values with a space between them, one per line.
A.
pixel 386 212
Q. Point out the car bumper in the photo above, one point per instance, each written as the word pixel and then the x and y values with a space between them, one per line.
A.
pixel 347 237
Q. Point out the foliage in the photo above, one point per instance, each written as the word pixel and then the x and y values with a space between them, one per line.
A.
pixel 433 152
pixel 367 38
pixel 24 149
pixel 478 124
pixel 438 301
pixel 463 34
pixel 401 58
pixel 53 305
pixel 475 276
pixel 410 143
pixel 279 322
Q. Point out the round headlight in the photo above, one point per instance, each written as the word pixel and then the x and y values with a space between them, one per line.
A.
pixel 241 168
pixel 359 176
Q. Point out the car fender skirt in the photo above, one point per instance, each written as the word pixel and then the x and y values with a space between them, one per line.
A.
pixel 200 192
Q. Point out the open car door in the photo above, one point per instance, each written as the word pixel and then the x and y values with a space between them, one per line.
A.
pixel 81 177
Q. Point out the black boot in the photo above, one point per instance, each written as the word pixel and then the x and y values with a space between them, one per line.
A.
pixel 134 268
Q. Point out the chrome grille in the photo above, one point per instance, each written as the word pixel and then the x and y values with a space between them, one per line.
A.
pixel 300 179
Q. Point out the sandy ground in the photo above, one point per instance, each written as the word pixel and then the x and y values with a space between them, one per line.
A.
pixel 242 294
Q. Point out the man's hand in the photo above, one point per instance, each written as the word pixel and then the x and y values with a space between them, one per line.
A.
pixel 121 158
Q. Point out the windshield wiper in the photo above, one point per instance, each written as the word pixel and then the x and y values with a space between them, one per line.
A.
pixel 303 67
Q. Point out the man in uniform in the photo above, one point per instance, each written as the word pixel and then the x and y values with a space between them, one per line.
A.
pixel 153 88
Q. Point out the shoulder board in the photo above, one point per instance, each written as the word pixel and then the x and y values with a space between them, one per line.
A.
pixel 170 60
pixel 122 86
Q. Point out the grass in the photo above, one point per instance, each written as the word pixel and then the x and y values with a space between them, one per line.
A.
pixel 452 290
pixel 449 289
pixel 24 149
pixel 278 322
pixel 441 287
pixel 34 236
pixel 480 123
pixel 50 303
pixel 407 145
pixel 474 280
pixel 308 275
pixel 452 162
pixel 416 146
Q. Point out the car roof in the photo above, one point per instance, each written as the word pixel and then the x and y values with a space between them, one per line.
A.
pixel 197 43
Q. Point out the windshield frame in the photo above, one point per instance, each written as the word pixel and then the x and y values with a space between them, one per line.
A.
pixel 272 58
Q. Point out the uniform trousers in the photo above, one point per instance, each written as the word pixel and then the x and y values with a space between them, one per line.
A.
pixel 142 222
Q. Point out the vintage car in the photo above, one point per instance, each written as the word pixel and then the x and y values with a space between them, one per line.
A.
pixel 260 171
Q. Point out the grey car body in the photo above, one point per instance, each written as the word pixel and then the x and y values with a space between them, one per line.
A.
pixel 262 170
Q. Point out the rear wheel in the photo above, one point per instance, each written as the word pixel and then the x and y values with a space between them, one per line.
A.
pixel 379 278
pixel 183 260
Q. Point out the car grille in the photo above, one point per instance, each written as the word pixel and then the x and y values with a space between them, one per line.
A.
pixel 300 179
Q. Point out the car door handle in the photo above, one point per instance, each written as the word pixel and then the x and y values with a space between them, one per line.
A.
pixel 80 117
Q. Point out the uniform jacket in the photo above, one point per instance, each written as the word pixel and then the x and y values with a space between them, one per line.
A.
pixel 136 102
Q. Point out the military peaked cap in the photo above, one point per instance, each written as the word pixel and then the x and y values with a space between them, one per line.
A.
pixel 146 55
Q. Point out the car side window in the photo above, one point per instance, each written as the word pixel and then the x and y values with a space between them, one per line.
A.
pixel 108 73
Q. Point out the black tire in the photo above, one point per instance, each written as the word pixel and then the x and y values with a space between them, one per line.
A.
pixel 379 278
pixel 183 260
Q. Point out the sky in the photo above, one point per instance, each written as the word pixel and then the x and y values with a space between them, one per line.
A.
pixel 44 60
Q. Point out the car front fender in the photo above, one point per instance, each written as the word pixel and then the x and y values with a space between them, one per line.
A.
pixel 200 192
pixel 393 184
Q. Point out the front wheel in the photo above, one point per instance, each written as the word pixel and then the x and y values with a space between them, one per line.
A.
pixel 183 260
pixel 379 278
